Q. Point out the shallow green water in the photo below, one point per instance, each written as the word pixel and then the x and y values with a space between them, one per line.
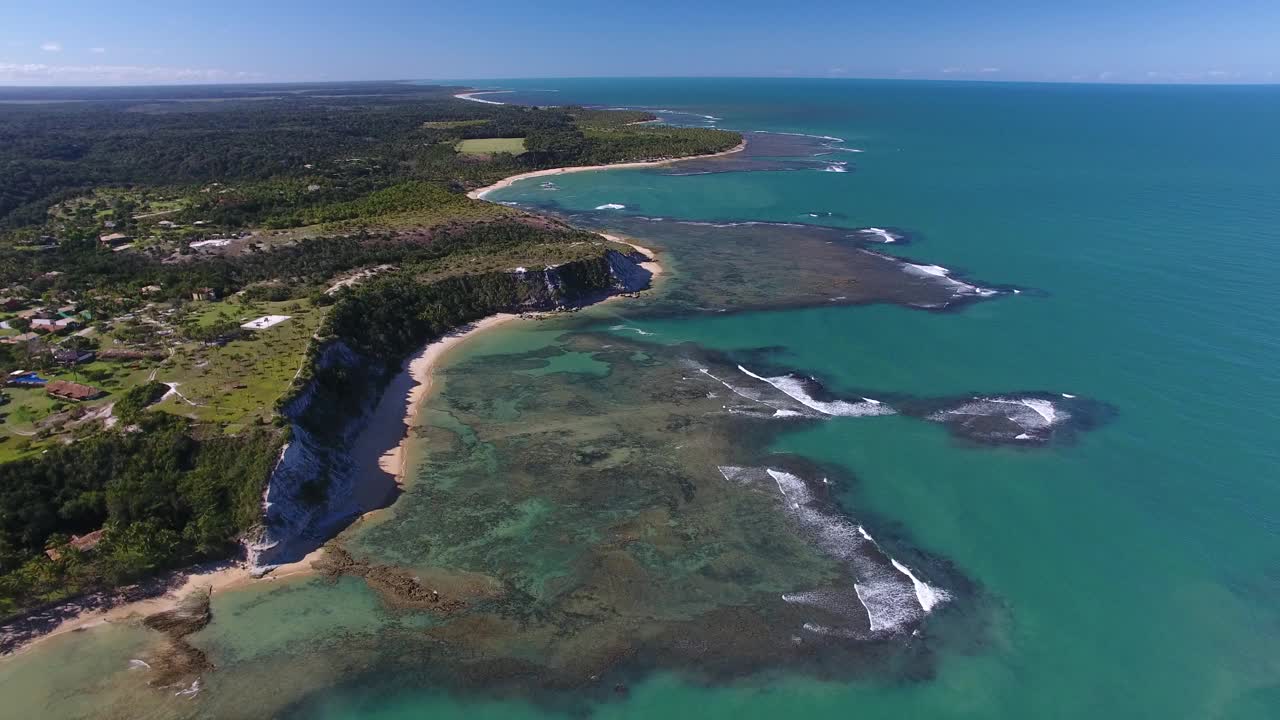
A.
pixel 1129 571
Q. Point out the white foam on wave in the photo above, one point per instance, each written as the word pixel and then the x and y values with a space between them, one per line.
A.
pixel 928 596
pixel 733 473
pixel 934 270
pixel 943 275
pixel 611 206
pixel 1068 396
pixel 794 389
pixel 635 330
pixel 796 134
pixel 190 691
pixel 889 601
pixel 787 413
pixel 136 664
pixel 1030 414
pixel 884 235
pixel 740 392
pixel 835 168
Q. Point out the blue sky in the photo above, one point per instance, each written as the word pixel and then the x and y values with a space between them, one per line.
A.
pixel 129 42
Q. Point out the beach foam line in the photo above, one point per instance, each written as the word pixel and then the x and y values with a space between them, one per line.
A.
pixel 480 193
pixel 472 96
pixel 611 206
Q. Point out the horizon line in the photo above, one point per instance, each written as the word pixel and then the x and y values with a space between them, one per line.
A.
pixel 454 81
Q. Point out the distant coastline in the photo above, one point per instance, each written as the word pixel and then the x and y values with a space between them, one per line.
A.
pixel 479 193
pixel 472 96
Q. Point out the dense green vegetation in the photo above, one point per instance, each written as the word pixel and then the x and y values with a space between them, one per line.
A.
pixel 347 203
pixel 165 494
pixel 344 141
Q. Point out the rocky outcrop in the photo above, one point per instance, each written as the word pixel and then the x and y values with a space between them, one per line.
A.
pixel 316 488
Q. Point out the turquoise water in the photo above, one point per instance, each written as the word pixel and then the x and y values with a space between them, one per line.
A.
pixel 1129 570
pixel 1137 568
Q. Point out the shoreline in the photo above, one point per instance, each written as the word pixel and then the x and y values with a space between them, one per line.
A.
pixel 416 377
pixel 480 193
pixel 471 96
pixel 394 417
pixel 151 596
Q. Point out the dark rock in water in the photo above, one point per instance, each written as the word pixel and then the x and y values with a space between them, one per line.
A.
pixel 1026 419
pixel 438 590
pixel 1023 418
pixel 191 614
pixel 176 662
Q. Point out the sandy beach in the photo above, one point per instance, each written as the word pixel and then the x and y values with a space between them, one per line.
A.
pixel 137 601
pixel 397 412
pixel 479 193
pixel 379 449
pixel 379 454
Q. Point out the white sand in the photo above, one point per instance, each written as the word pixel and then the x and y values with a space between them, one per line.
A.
pixel 378 452
pixel 406 394
pixel 479 193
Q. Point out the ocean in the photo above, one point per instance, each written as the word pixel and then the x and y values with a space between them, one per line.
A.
pixel 1021 461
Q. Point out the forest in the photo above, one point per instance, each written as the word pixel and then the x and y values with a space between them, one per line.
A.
pixel 370 171
pixel 348 140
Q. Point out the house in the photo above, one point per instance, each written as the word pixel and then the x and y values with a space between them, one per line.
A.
pixel 26 337
pixel 11 303
pixel 70 356
pixel 83 543
pixel 150 289
pixel 55 324
pixel 205 294
pixel 114 239
pixel 65 390
pixel 22 378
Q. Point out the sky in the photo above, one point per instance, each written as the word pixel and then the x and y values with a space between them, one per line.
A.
pixel 126 42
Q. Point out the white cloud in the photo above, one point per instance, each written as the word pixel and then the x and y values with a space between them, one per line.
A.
pixel 990 70
pixel 42 74
pixel 97 50
pixel 952 70
pixel 51 46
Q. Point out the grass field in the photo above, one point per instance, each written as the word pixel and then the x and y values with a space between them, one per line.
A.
pixel 238 384
pixel 29 406
pixel 489 146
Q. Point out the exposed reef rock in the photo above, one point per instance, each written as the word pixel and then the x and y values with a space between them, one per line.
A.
pixel 177 663
pixel 1026 419
pixel 436 590
pixel 316 489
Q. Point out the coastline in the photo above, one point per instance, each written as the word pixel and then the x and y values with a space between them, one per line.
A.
pixel 471 96
pixel 394 417
pixel 479 193
pixel 409 389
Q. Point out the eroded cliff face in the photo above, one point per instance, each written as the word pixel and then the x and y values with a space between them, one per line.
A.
pixel 317 488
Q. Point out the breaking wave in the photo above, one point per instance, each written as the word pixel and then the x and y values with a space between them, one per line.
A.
pixel 892 597
pixel 794 388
